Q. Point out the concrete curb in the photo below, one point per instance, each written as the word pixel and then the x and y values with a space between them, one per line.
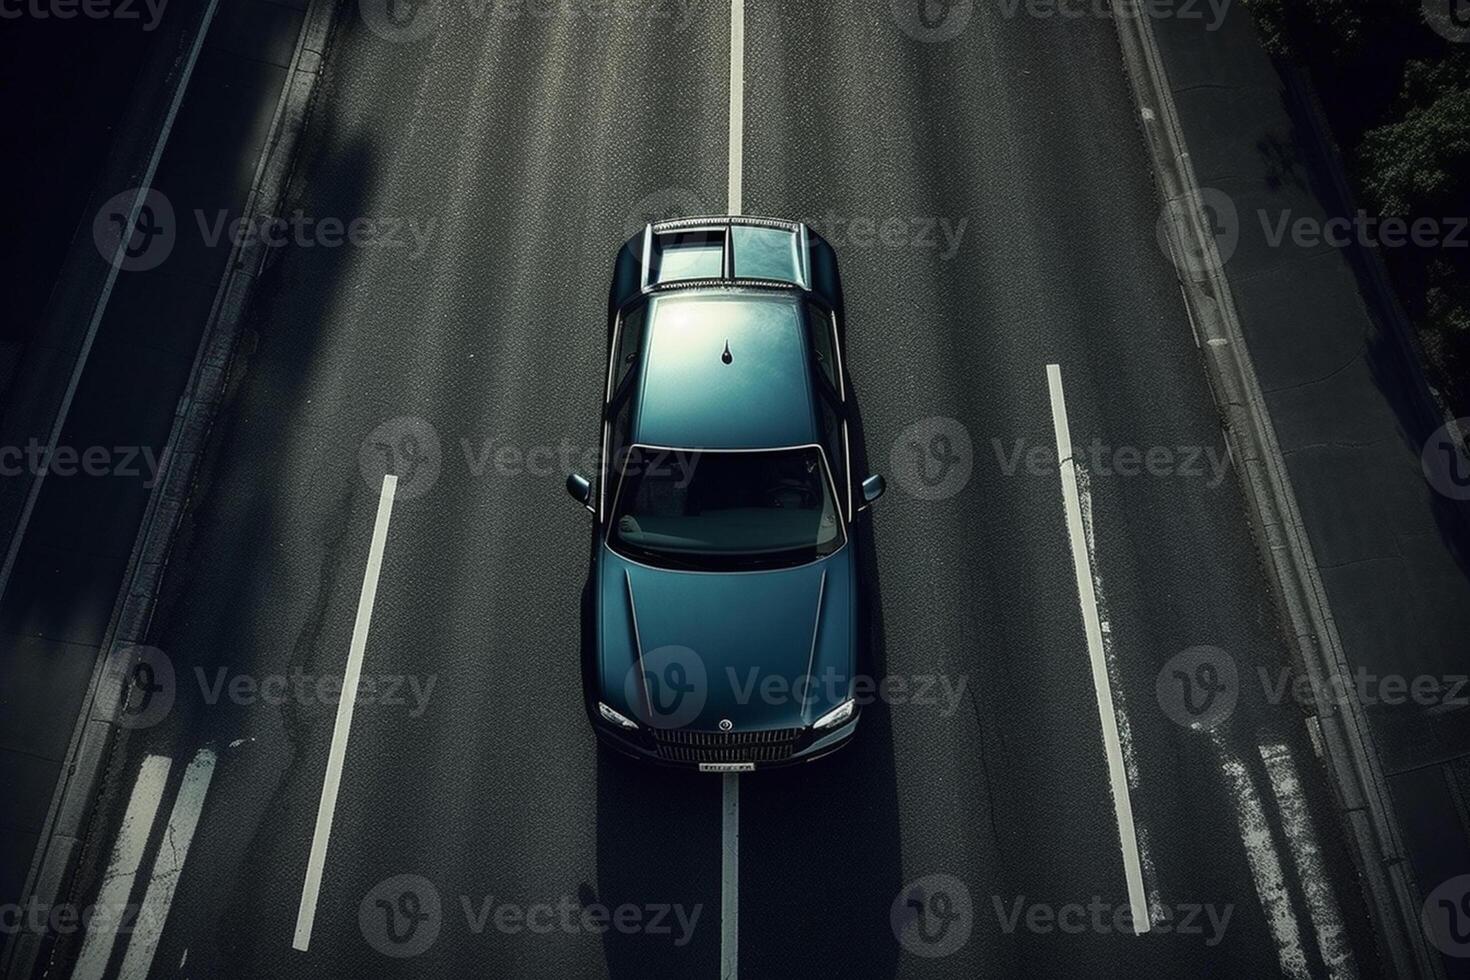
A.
pixel 1358 781
pixel 98 740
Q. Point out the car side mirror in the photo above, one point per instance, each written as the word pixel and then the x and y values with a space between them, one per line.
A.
pixel 580 488
pixel 873 488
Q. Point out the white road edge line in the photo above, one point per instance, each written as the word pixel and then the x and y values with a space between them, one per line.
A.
pixel 114 266
pixel 306 914
pixel 730 879
pixel 122 869
pixel 168 867
pixel 1092 627
pixel 737 104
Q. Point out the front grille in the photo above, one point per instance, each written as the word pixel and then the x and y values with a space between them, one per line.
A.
pixel 684 745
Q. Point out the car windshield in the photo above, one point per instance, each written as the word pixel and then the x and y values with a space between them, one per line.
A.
pixel 722 511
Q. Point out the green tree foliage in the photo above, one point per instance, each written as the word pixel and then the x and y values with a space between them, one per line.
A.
pixel 1419 165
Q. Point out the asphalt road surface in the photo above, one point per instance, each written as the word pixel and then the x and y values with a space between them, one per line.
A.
pixel 990 202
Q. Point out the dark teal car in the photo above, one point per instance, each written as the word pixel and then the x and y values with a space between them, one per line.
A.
pixel 723 595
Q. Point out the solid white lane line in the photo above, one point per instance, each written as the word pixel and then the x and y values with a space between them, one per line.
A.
pixel 1265 865
pixel 1120 700
pixel 1301 839
pixel 122 869
pixel 730 879
pixel 737 103
pixel 306 914
pixel 1092 628
pixel 168 867
pixel 85 351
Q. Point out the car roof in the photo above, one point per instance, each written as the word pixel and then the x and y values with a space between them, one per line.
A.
pixel 692 397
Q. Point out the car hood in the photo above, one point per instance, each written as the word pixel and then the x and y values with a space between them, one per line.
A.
pixel 763 650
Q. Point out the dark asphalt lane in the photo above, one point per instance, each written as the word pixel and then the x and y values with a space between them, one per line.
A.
pixel 1021 132
pixel 533 148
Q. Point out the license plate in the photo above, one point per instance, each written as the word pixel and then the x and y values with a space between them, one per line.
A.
pixel 727 767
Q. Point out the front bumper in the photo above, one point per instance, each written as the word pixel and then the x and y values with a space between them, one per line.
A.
pixel 725 752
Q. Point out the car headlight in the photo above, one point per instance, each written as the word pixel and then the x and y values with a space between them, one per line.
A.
pixel 836 716
pixel 621 721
